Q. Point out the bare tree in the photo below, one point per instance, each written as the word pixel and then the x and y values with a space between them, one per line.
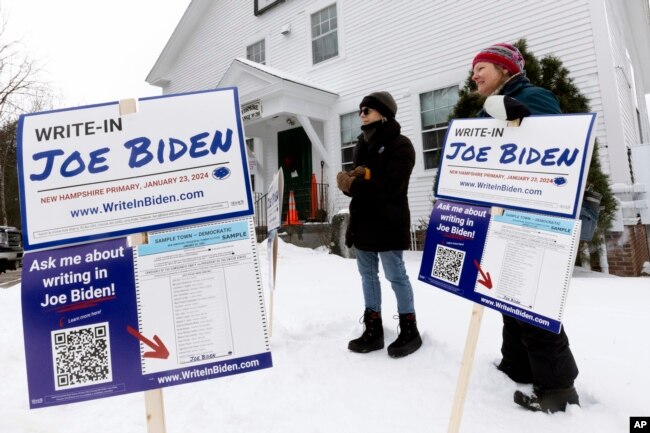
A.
pixel 21 91
pixel 7 168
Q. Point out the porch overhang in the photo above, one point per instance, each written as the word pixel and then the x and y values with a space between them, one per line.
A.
pixel 274 93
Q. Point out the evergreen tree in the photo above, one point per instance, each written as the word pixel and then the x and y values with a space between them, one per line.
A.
pixel 550 73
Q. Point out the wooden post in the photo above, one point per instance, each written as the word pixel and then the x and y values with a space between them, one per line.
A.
pixel 153 399
pixel 468 357
pixel 272 252
pixel 272 240
pixel 153 402
pixel 465 369
pixel 270 313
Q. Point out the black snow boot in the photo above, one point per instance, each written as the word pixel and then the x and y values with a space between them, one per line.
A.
pixel 408 340
pixel 548 400
pixel 373 334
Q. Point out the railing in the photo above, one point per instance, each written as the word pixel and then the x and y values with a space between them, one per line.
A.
pixel 311 205
pixel 304 207
pixel 260 210
pixel 418 235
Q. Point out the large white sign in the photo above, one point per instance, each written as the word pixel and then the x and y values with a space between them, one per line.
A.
pixel 540 166
pixel 518 263
pixel 90 173
pixel 200 288
pixel 528 260
pixel 104 318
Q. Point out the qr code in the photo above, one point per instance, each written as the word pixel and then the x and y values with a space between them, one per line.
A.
pixel 81 356
pixel 448 264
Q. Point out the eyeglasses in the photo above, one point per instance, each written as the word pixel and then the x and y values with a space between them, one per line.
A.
pixel 365 111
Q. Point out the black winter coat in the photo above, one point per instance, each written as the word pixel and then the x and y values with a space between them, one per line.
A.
pixel 380 219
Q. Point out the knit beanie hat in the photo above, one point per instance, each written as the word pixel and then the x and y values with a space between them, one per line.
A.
pixel 382 102
pixel 505 55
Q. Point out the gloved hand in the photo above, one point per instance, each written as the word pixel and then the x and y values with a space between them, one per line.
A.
pixel 505 108
pixel 360 171
pixel 344 181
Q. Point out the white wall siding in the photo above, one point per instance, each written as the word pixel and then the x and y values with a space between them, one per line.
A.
pixel 406 48
pixel 621 71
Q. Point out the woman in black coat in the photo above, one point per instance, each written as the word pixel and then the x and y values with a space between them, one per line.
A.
pixel 380 221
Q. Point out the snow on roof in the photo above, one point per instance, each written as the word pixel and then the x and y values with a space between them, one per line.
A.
pixel 283 75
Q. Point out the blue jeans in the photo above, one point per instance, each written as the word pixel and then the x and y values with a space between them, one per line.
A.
pixel 395 272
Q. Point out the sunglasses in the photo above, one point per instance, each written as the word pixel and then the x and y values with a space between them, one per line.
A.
pixel 365 111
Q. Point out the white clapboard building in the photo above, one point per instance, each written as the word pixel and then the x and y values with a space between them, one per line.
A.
pixel 302 67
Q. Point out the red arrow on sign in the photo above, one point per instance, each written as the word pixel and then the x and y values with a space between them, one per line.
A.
pixel 159 349
pixel 487 280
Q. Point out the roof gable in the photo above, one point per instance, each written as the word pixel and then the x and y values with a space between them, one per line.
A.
pixel 194 14
pixel 255 80
pixel 243 72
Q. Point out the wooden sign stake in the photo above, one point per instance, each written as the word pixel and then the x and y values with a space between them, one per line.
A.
pixel 468 357
pixel 273 260
pixel 153 402
pixel 465 369
pixel 153 399
pixel 272 240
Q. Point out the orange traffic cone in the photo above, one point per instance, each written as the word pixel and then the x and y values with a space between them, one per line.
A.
pixel 292 215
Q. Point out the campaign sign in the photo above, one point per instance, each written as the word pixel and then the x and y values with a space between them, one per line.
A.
pixel 528 260
pixel 101 319
pixel 274 202
pixel 454 246
pixel 199 289
pixel 90 173
pixel 77 304
pixel 514 262
pixel 540 166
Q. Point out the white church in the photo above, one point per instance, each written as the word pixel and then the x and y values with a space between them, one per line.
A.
pixel 303 66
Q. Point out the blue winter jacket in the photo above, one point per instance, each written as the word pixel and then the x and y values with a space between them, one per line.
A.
pixel 538 99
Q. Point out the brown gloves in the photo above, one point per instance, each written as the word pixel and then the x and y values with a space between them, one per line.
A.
pixel 345 178
pixel 344 181
pixel 360 171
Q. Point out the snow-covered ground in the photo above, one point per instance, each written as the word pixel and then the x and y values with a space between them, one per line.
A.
pixel 317 385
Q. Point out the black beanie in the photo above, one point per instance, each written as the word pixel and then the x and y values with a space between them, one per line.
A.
pixel 382 102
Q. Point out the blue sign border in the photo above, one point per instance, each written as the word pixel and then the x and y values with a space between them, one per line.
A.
pixel 118 233
pixel 578 195
pixel 473 248
pixel 119 311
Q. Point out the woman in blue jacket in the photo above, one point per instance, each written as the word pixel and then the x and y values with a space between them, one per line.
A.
pixel 530 354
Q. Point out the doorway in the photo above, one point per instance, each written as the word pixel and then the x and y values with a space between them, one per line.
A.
pixel 294 156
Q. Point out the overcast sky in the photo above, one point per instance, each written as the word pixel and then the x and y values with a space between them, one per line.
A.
pixel 93 51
